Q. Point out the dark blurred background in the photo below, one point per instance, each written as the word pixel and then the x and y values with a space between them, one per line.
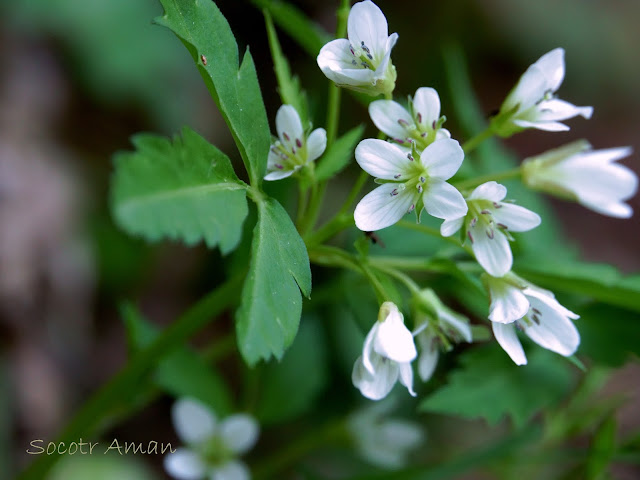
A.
pixel 78 78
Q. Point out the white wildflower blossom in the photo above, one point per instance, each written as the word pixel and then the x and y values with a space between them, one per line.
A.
pixel 386 355
pixel 487 225
pixel 438 327
pixel 516 303
pixel 383 441
pixel 362 62
pixel 532 104
pixel 590 177
pixel 293 149
pixel 421 124
pixel 212 446
pixel 410 181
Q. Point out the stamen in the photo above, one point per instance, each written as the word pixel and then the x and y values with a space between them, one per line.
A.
pixel 286 137
pixel 403 122
pixel 352 51
pixel 410 157
pixel 496 205
pixel 411 208
pixel 298 143
pixel 353 62
pixel 419 117
pixel 397 176
pixel 365 65
pixel 422 179
pixel 490 233
pixel 485 212
pixel 473 222
pixel 419 187
pixel 399 140
pixel 369 56
pixel 278 166
pixel 293 150
pixel 394 192
pixel 423 134
pixel 502 226
pixel 470 236
pixel 536 319
pixel 537 311
pixel 518 326
pixel 434 125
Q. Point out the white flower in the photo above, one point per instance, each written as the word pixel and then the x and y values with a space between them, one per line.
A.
pixel 363 62
pixel 294 149
pixel 386 355
pixel 212 446
pixel 531 104
pixel 411 182
pixel 421 125
pixel 385 442
pixel 591 177
pixel 487 225
pixel 517 303
pixel 437 328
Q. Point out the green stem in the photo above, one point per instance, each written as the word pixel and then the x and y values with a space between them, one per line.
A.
pixel 471 144
pixel 426 229
pixel 299 447
pixel 403 277
pixel 118 389
pixel 303 200
pixel 497 177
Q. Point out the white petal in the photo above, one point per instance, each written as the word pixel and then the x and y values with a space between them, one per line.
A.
pixel 394 340
pixel 380 209
pixel 508 303
pixel 240 432
pixel 611 209
pixel 406 376
pixel 367 349
pixel 442 134
pixel 545 301
pixel 381 70
pixel 493 254
pixel 442 158
pixel 456 322
pixel 335 60
pixel 492 191
pixel 193 421
pixel 233 470
pixel 385 114
pixel 551 64
pixel 442 200
pixel 367 24
pixel 378 386
pixel 289 126
pixel 451 226
pixel 382 159
pixel 508 340
pixel 529 90
pixel 556 109
pixel 428 358
pixel 316 144
pixel 515 217
pixel 280 174
pixel 184 464
pixel 426 102
pixel 555 331
pixel 546 126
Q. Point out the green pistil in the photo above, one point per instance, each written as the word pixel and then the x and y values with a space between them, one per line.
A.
pixel 215 451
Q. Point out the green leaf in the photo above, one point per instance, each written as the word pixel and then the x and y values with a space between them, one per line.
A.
pixel 602 449
pixel 269 314
pixel 208 37
pixel 288 85
pixel 608 334
pixel 185 190
pixel 182 372
pixel 339 154
pixel 306 33
pixel 489 385
pixel 599 281
pixel 303 366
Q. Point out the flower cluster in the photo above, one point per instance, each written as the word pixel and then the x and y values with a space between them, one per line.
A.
pixel 413 169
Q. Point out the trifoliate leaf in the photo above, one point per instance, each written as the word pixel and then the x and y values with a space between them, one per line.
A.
pixel 339 154
pixel 269 314
pixel 489 385
pixel 234 87
pixel 185 190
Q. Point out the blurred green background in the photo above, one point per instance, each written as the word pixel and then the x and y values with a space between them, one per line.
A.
pixel 79 77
